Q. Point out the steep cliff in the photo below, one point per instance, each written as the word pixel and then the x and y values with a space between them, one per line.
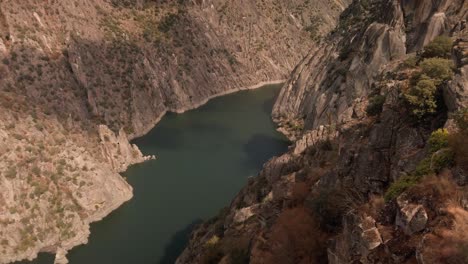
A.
pixel 377 171
pixel 80 78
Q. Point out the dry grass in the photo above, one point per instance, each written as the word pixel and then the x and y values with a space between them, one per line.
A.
pixel 449 245
pixel 294 238
pixel 459 143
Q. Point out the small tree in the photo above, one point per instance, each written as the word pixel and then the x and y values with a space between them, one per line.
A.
pixel 375 105
pixel 422 97
pixel 440 47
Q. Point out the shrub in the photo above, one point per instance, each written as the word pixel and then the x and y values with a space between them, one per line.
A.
pixel 442 159
pixel 212 255
pixel 168 22
pixel 294 236
pixel 375 105
pixel 213 241
pixel 399 186
pixel 410 62
pixel 461 118
pixel 441 156
pixel 421 97
pixel 11 173
pixel 437 69
pixel 239 256
pixel 36 171
pixel 438 140
pixel 440 47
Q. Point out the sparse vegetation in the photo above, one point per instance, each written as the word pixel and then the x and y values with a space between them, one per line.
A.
pixel 168 22
pixel 461 119
pixel 440 47
pixel 440 156
pixel 422 95
pixel 375 105
pixel 410 62
pixel 213 252
pixel 438 140
pixel 11 173
pixel 438 69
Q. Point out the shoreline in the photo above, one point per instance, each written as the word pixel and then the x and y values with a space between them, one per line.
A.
pixel 201 103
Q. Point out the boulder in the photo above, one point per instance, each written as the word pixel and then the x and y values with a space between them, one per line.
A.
pixel 245 213
pixel 412 218
pixel 360 236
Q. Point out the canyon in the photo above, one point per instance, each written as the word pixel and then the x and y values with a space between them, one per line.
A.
pixel 79 79
pixel 374 102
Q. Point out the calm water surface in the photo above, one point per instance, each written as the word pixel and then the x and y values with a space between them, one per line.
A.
pixel 204 157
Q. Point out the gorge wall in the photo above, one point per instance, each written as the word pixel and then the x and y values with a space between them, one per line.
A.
pixel 80 78
pixel 374 175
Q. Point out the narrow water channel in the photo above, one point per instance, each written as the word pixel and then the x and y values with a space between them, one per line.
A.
pixel 204 158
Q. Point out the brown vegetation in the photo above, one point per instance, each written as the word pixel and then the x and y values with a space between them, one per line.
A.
pixel 295 238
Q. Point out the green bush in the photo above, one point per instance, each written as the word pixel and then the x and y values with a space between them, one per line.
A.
pixel 440 157
pixel 421 97
pixel 437 69
pixel 439 139
pixel 411 62
pixel 375 105
pixel 440 47
pixel 399 186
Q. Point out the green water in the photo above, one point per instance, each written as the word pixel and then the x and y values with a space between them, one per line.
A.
pixel 204 157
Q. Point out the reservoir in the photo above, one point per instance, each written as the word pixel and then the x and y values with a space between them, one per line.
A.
pixel 204 157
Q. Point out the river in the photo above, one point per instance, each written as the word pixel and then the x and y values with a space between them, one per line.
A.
pixel 204 157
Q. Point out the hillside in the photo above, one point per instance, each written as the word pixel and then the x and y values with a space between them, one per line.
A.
pixel 81 78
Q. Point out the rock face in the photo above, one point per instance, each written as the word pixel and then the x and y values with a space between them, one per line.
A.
pixel 80 78
pixel 456 95
pixel 118 152
pixel 322 201
pixel 163 56
pixel 332 94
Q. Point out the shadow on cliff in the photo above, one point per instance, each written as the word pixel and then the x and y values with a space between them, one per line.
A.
pixel 177 243
pixel 180 133
pixel 267 106
pixel 260 148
